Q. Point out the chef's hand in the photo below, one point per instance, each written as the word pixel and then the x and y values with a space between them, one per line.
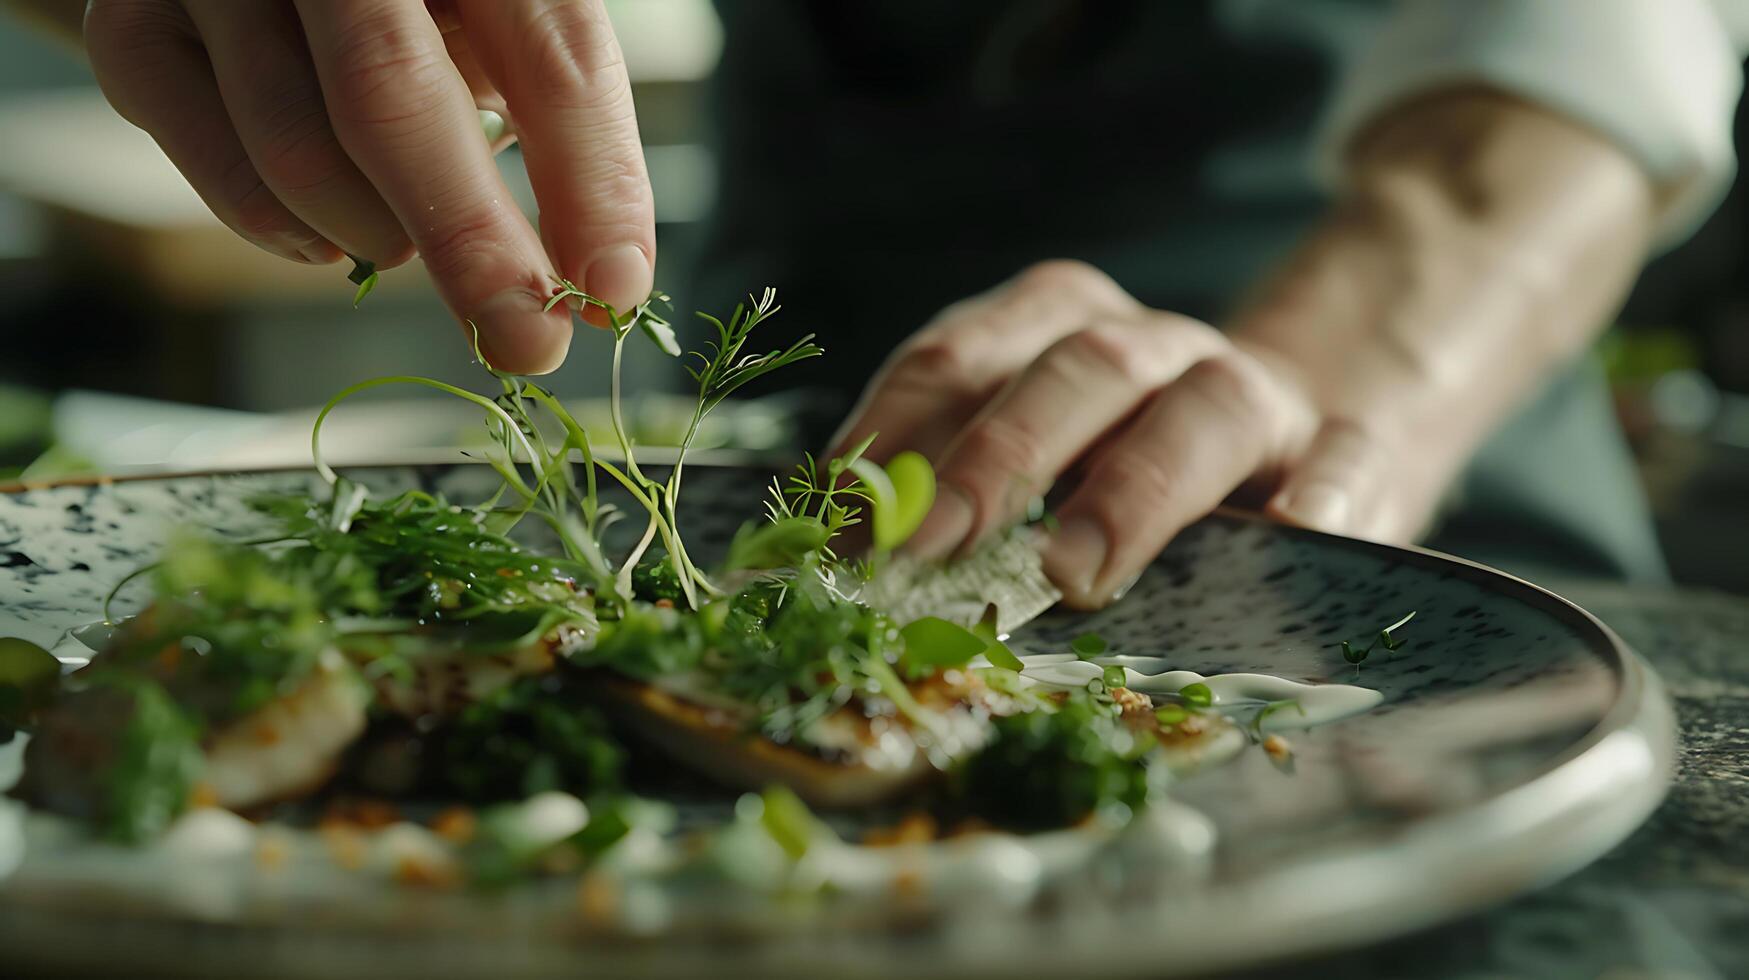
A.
pixel 1160 416
pixel 313 128
pixel 1482 244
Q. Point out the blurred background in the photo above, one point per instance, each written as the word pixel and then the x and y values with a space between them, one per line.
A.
pixel 137 333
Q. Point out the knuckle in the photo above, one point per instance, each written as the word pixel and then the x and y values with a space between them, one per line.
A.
pixel 114 26
pixel 1134 477
pixel 575 61
pixel 297 145
pixel 931 364
pixel 127 42
pixel 1001 448
pixel 1234 385
pixel 259 215
pixel 455 250
pixel 378 54
pixel 1087 283
pixel 1099 353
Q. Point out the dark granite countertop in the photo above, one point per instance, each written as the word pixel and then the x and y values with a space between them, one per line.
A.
pixel 1672 902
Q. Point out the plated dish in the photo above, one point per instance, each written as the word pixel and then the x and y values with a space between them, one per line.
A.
pixel 334 714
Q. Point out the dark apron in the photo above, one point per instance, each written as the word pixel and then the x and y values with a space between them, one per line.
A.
pixel 879 161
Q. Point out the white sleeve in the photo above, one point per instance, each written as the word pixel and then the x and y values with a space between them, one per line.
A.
pixel 1659 77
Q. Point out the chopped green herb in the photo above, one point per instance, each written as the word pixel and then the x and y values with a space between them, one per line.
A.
pixel 1171 714
pixel 1197 695
pixel 1046 769
pixel 1113 677
pixel 1355 654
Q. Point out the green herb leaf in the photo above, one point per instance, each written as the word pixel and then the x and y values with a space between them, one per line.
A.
pixel 364 276
pixel 995 651
pixel 661 333
pixel 1197 695
pixel 1113 676
pixel 1088 645
pixel 932 643
pixel 782 544
pixel 157 760
pixel 913 483
pixel 364 289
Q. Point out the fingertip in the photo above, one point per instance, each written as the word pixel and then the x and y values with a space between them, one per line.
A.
pixel 1074 556
pixel 621 276
pixel 1320 505
pixel 946 526
pixel 518 336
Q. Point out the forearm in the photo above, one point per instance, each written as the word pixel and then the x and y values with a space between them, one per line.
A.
pixel 1483 243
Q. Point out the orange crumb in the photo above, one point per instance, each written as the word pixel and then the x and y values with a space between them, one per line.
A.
pixel 1131 702
pixel 345 846
pixel 915 827
pixel 424 874
pixel 201 795
pixel 271 854
pixel 597 898
pixel 455 824
pixel 1278 748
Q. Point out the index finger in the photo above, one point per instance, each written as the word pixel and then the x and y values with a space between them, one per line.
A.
pixel 405 117
pixel 560 69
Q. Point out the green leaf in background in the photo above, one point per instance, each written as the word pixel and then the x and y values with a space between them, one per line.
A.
pixel 1088 645
pixel 156 764
pixel 788 820
pixel 932 643
pixel 28 678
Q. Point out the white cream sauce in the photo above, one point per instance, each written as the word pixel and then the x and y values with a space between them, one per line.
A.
pixel 1320 704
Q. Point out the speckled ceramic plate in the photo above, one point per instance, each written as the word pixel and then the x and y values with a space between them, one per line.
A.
pixel 1518 740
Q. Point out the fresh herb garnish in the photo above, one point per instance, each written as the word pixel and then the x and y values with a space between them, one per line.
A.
pixel 364 276
pixel 1386 638
pixel 1197 695
pixel 1047 768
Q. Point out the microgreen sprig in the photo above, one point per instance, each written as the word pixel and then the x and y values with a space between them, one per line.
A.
pixel 1356 654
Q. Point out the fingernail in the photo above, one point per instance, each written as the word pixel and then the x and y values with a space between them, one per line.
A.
pixel 620 277
pixel 492 124
pixel 516 336
pixel 1076 555
pixel 1318 505
pixel 945 527
pixel 1124 589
